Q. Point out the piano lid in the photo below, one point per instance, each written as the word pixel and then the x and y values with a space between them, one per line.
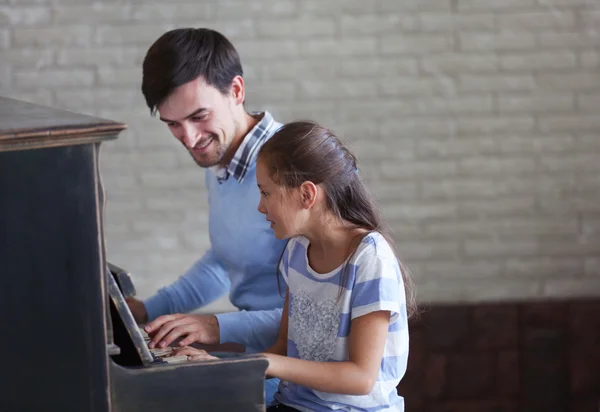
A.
pixel 30 126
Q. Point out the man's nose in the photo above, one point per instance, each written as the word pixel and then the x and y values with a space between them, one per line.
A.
pixel 190 136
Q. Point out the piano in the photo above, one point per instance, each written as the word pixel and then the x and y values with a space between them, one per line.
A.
pixel 69 342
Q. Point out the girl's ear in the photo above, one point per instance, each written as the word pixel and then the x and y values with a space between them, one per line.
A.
pixel 308 194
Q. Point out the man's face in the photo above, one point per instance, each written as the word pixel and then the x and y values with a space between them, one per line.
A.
pixel 202 119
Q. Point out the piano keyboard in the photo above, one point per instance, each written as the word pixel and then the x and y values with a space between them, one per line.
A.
pixel 165 354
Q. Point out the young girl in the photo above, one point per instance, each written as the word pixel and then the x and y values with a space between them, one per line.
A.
pixel 343 339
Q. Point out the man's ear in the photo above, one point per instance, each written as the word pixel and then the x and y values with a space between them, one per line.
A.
pixel 238 89
pixel 308 193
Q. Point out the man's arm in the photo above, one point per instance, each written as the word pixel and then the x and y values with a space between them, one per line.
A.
pixel 203 283
pixel 256 330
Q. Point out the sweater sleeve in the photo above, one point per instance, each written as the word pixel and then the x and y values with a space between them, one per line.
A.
pixel 256 330
pixel 203 283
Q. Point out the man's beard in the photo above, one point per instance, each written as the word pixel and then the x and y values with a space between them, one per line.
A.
pixel 213 161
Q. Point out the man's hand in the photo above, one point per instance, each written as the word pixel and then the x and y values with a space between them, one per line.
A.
pixel 195 328
pixel 138 309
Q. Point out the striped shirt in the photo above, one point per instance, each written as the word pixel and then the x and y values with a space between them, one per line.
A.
pixel 248 150
pixel 319 323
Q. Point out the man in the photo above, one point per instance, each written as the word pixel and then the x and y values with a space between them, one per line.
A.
pixel 193 79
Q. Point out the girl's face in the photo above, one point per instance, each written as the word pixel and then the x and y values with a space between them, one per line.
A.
pixel 282 208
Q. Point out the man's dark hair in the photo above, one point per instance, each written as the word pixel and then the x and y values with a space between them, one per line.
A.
pixel 182 55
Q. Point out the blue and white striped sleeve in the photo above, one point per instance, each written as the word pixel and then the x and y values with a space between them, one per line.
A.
pixel 378 285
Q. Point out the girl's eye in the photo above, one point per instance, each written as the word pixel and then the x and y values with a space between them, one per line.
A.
pixel 263 193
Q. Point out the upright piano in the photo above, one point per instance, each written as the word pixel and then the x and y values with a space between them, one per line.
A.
pixel 68 341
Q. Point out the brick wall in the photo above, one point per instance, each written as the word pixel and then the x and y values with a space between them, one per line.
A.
pixel 476 124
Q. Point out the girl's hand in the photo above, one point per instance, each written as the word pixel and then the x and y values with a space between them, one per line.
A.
pixel 193 353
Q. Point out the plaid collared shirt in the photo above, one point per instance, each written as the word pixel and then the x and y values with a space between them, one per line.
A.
pixel 248 150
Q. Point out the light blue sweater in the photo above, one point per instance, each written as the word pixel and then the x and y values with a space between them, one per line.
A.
pixel 242 260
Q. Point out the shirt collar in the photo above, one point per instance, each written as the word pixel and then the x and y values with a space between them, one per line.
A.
pixel 248 150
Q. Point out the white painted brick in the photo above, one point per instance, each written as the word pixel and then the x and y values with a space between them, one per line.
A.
pixel 314 110
pixel 486 42
pixel 363 46
pixel 542 267
pixel 376 24
pixel 96 12
pixel 528 143
pixel 415 251
pixel 498 248
pixel 476 187
pixel 335 7
pixel 129 34
pixel 456 147
pixel 585 141
pixel 591 18
pixel 174 11
pixel 296 28
pixel 394 192
pixel 496 83
pixel 422 127
pixel 5 36
pixel 267 49
pixel 464 269
pixel 561 205
pixel 592 267
pixel 574 162
pixel 234 30
pixel 416 44
pixel 271 91
pixel 65 35
pixel 431 22
pixel 590 59
pixel 412 5
pixel 448 105
pixel 480 166
pixel 417 169
pixel 24 16
pixel 375 110
pixel 507 226
pixel 557 19
pixel 567 3
pixel 380 67
pixel 417 86
pixel 415 211
pixel 29 58
pixel 518 205
pixel 471 5
pixel 496 124
pixel 568 39
pixel 574 122
pixel 298 69
pixel 479 290
pixel 190 178
pixel 336 89
pixel 88 98
pixel 459 63
pixel 122 76
pixel 98 56
pixel 589 102
pixel 584 80
pixel 539 61
pixel 40 96
pixel 539 102
pixel 581 288
pixel 258 9
pixel 45 78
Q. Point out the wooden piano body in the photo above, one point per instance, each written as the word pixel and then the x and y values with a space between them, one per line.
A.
pixel 59 352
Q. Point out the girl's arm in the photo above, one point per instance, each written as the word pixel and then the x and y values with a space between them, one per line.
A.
pixel 280 346
pixel 357 376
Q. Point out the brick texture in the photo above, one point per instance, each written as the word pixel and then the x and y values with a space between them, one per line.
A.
pixel 476 124
pixel 508 357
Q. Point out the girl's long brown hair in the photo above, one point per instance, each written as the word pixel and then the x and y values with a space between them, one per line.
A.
pixel 305 151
